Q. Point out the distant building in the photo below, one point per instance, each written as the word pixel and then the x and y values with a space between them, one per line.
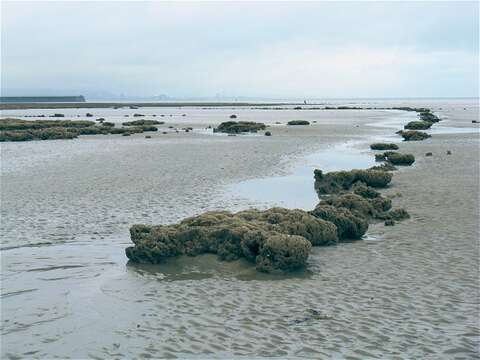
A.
pixel 38 99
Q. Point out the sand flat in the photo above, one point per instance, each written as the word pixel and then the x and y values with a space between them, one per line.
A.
pixel 410 290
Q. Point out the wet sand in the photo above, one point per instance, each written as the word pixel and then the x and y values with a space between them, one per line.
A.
pixel 406 291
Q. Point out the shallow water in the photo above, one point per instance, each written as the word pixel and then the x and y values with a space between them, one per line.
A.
pixel 296 190
pixel 68 291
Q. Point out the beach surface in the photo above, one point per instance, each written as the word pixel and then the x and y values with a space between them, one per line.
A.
pixel 410 290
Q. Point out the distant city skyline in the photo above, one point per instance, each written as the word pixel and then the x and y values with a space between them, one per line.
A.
pixel 270 50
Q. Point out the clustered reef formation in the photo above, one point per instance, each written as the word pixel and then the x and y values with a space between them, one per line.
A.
pixel 24 130
pixel 276 239
pixel 281 239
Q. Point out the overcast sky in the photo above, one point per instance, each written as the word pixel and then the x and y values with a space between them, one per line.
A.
pixel 258 49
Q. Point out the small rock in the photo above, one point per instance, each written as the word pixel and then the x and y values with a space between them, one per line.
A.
pixel 449 152
pixel 233 116
pixel 428 154
pixel 268 133
pixel 389 222
pixel 148 137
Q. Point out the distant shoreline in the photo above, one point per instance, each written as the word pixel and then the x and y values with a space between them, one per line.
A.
pixel 89 105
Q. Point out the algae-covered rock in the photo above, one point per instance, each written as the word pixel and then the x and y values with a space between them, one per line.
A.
pixel 127 130
pixel 142 122
pixel 355 203
pixel 93 130
pixel 274 239
pixel 349 226
pixel 383 146
pixel 384 167
pixel 362 207
pixel 148 128
pixel 282 252
pixel 298 122
pixel 16 136
pixel 365 191
pixel 337 181
pixel 50 133
pixel 428 116
pixel 234 127
pixel 396 158
pixel 380 205
pixel 413 135
pixel 418 125
pixel 396 214
pixel 18 124
pixel 294 222
pixel 373 178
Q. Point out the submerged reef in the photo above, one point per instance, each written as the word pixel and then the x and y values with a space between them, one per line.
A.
pixel 234 127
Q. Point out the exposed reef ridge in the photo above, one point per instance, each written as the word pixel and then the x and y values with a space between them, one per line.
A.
pixel 276 239
pixel 280 239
